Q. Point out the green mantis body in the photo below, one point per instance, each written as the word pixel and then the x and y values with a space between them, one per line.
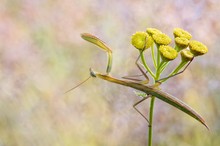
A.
pixel 154 92
pixel 149 90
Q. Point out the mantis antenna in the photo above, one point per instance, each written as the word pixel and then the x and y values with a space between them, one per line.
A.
pixel 78 85
pixel 92 74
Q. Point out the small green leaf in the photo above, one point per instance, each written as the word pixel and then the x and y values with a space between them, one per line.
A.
pixel 140 94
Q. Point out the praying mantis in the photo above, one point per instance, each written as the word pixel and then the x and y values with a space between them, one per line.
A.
pixel 150 90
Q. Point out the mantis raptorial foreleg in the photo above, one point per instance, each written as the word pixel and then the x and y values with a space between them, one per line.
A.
pixel 93 39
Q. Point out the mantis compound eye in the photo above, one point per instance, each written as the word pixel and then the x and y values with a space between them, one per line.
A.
pixel 92 73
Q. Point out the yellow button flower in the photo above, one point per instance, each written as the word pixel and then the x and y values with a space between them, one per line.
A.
pixel 178 32
pixel 181 42
pixel 152 31
pixel 186 55
pixel 197 48
pixel 161 39
pixel 167 53
pixel 141 40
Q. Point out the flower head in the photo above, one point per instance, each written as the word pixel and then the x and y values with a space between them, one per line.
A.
pixel 167 53
pixel 141 40
pixel 197 48
pixel 161 39
pixel 152 31
pixel 181 42
pixel 178 32
pixel 186 55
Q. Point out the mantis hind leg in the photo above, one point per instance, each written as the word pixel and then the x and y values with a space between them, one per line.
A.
pixel 134 106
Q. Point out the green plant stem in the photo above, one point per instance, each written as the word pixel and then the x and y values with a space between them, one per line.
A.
pixel 145 65
pixel 181 65
pixel 176 70
pixel 158 55
pixel 164 66
pixel 158 65
pixel 150 129
pixel 159 68
pixel 153 56
pixel 177 48
pixel 151 114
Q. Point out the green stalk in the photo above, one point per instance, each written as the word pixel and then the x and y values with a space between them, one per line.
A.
pixel 151 114
pixel 177 48
pixel 145 65
pixel 158 55
pixel 153 56
pixel 180 66
pixel 150 129
pixel 164 66
pixel 157 65
pixel 161 66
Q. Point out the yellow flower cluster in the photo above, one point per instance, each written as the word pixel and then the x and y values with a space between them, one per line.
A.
pixel 144 40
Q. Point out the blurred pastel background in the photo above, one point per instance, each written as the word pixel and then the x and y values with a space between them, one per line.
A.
pixel 42 55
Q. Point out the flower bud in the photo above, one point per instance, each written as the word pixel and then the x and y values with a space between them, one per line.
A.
pixel 161 39
pixel 181 42
pixel 186 55
pixel 152 31
pixel 197 48
pixel 178 32
pixel 167 53
pixel 141 40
